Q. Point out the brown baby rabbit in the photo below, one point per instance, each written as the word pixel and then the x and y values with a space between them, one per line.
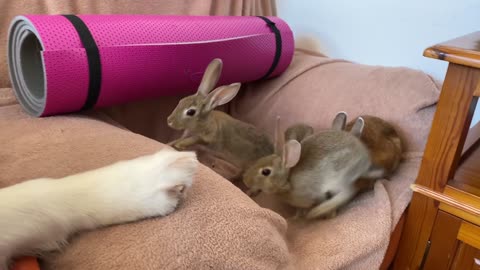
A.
pixel 238 142
pixel 381 139
pixel 316 175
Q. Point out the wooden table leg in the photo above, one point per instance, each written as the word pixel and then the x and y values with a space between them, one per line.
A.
pixel 450 125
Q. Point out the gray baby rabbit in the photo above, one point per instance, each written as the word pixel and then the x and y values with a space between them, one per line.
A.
pixel 317 175
pixel 378 135
pixel 238 142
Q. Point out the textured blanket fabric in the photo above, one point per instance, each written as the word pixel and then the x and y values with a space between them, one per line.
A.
pixel 219 227
pixel 313 90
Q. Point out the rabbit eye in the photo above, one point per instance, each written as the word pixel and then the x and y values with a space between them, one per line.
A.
pixel 266 172
pixel 190 112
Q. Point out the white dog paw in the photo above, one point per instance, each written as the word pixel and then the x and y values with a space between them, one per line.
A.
pixel 166 176
pixel 152 185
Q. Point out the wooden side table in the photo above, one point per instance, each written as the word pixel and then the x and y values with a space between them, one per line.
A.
pixel 442 229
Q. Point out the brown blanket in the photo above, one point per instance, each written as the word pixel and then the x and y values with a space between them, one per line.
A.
pixel 313 90
pixel 219 227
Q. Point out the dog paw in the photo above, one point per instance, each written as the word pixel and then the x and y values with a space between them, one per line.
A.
pixel 167 176
pixel 154 185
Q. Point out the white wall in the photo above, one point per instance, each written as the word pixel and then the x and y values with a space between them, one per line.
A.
pixel 383 32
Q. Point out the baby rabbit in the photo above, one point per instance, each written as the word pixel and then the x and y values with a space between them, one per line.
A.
pixel 381 139
pixel 238 142
pixel 378 135
pixel 316 175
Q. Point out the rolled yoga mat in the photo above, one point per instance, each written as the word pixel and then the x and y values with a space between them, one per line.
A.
pixel 69 63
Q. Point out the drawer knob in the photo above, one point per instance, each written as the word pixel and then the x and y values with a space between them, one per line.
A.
pixel 477 261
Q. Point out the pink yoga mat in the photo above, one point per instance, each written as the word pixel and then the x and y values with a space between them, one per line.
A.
pixel 61 64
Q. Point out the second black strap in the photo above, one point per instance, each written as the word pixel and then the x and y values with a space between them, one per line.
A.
pixel 278 46
pixel 93 58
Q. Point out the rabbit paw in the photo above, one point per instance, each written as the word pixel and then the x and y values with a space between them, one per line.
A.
pixel 299 214
pixel 179 146
pixel 330 215
pixel 176 144
pixel 252 193
pixel 184 143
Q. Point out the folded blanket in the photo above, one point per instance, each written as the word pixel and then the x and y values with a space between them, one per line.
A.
pixel 217 227
pixel 220 227
pixel 312 91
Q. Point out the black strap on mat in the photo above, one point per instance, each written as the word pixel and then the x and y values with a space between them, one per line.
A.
pixel 93 58
pixel 278 45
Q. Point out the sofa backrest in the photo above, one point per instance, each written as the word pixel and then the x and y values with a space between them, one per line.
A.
pixel 12 8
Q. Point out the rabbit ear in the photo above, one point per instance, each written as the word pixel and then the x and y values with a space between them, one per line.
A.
pixel 221 95
pixel 278 137
pixel 339 121
pixel 357 128
pixel 210 77
pixel 291 153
